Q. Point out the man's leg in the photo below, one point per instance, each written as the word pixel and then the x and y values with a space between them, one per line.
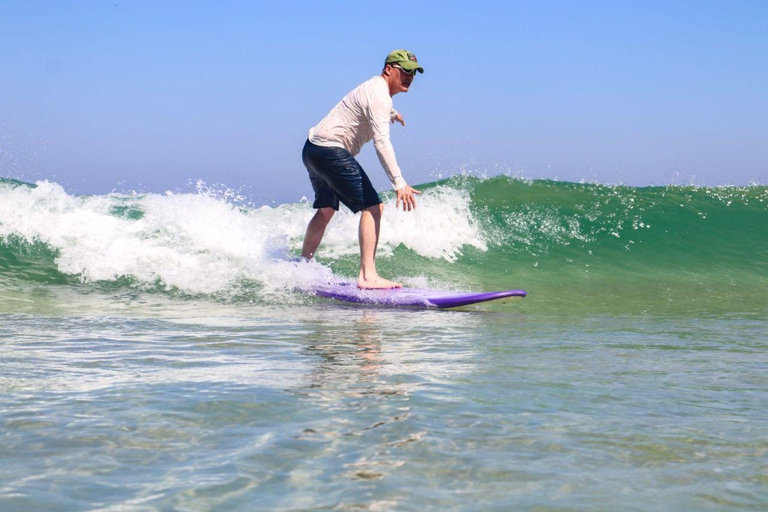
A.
pixel 368 235
pixel 315 232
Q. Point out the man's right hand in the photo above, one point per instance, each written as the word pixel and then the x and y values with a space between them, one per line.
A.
pixel 407 195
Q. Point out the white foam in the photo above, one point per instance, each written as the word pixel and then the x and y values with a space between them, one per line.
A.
pixel 200 243
pixel 440 226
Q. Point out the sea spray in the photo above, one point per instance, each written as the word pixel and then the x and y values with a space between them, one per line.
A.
pixel 202 243
pixel 440 227
pixel 188 242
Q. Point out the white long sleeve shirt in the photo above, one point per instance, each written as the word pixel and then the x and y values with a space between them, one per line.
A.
pixel 363 114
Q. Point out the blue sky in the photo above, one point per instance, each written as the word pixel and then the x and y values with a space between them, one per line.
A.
pixel 152 96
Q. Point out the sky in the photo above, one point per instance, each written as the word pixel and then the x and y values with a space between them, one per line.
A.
pixel 156 95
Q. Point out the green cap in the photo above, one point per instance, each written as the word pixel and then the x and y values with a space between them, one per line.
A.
pixel 404 58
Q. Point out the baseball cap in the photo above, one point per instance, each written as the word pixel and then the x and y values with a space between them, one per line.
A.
pixel 404 58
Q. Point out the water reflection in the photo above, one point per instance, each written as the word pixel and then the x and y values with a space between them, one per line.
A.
pixel 365 351
pixel 350 353
pixel 371 372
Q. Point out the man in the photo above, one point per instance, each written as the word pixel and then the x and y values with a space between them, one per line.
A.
pixel 363 114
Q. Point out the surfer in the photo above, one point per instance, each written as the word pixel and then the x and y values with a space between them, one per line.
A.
pixel 329 156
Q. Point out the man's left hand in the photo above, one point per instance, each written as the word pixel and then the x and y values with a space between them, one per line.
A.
pixel 407 195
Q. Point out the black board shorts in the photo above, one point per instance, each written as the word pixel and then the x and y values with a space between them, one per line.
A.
pixel 337 176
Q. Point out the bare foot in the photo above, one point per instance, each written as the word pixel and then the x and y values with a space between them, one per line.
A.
pixel 378 283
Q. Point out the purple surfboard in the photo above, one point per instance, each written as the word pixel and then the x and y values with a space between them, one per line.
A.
pixel 349 292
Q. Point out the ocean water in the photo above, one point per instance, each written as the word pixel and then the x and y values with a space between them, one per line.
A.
pixel 156 356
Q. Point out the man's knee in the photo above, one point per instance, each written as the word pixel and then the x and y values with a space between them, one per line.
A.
pixel 376 210
pixel 325 214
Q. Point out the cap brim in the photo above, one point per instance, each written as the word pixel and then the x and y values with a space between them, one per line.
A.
pixel 408 65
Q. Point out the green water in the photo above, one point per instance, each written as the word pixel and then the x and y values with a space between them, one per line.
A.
pixel 594 248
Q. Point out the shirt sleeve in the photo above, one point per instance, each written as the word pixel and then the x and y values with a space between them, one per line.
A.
pixel 380 112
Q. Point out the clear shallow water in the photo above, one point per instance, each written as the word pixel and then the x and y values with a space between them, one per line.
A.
pixel 155 357
pixel 184 406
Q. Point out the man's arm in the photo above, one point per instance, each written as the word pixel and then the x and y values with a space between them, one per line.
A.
pixel 381 115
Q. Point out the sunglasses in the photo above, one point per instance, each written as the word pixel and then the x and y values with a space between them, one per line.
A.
pixel 406 71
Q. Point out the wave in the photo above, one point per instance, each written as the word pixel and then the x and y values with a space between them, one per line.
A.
pixel 566 239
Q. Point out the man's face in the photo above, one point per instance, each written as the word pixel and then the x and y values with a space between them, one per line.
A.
pixel 404 78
